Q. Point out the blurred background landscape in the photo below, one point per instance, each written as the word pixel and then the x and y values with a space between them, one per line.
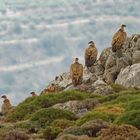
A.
pixel 40 38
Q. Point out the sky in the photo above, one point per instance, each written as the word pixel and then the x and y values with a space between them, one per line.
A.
pixel 39 39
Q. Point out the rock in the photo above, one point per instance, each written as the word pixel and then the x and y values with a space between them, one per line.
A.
pixel 97 69
pixel 88 77
pixel 107 67
pixel 122 62
pixel 104 56
pixel 136 57
pixel 104 90
pixel 63 82
pixel 111 61
pixel 78 107
pixel 129 76
pixel 110 75
pixel 114 64
pixel 135 41
pixel 99 82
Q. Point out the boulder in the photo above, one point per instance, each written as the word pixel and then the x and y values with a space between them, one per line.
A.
pixel 104 56
pixel 136 57
pixel 99 82
pixel 97 69
pixel 129 76
pixel 104 90
pixel 135 41
pixel 63 81
pixel 78 107
pixel 111 61
pixel 110 75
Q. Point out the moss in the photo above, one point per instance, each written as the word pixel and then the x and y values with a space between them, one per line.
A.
pixel 109 117
pixel 130 117
pixel 45 117
pixel 25 109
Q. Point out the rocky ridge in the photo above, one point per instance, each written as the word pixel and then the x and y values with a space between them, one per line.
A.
pixel 109 68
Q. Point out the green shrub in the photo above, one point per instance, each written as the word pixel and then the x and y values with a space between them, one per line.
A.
pixel 45 117
pixel 108 98
pixel 50 133
pixel 25 109
pixel 120 97
pixel 123 99
pixel 93 115
pixel 130 117
pixel 133 105
pixel 62 123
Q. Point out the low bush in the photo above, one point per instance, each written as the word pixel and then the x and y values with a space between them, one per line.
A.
pixel 115 132
pixel 123 99
pixel 130 117
pixel 77 131
pixel 62 123
pixel 25 109
pixel 50 133
pixel 45 117
pixel 115 109
pixel 120 97
pixel 133 105
pixel 93 115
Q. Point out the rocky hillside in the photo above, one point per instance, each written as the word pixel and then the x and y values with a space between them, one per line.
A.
pixel 105 107
pixel 110 68
pixel 32 38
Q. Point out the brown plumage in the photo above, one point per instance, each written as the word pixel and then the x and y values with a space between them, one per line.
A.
pixel 76 71
pixel 33 94
pixel 119 39
pixel 91 53
pixel 6 105
pixel 52 88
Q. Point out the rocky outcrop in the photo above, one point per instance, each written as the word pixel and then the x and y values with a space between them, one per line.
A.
pixel 78 107
pixel 109 67
pixel 130 76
